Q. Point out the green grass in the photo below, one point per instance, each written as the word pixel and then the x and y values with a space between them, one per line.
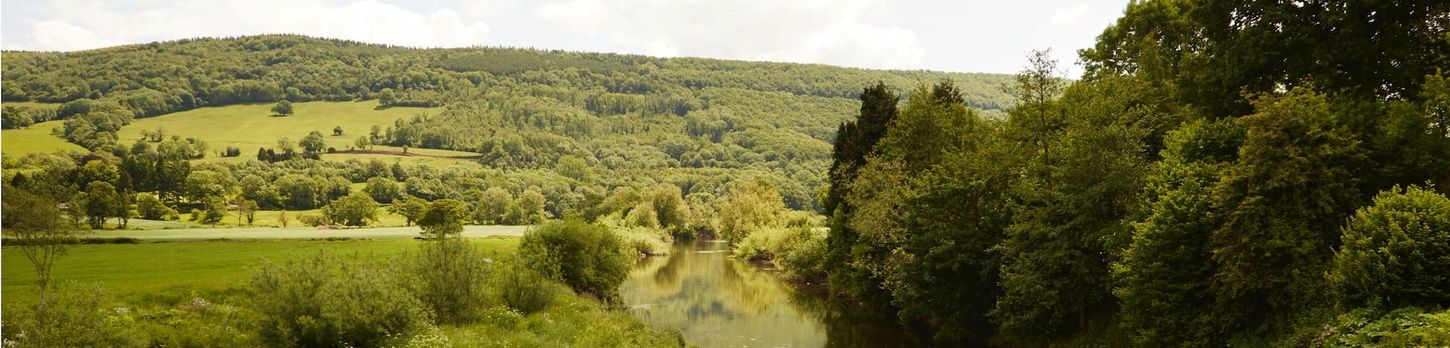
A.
pixel 165 272
pixel 35 139
pixel 295 232
pixel 250 126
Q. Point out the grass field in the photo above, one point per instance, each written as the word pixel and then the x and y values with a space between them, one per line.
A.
pixel 251 126
pixel 35 139
pixel 167 272
pixel 269 233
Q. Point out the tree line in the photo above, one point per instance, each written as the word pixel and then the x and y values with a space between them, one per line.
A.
pixel 1222 174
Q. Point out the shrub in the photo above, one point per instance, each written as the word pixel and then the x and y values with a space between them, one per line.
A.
pixel 324 301
pixel 803 254
pixel 1405 327
pixel 760 245
pixel 645 241
pixel 586 257
pixel 1396 252
pixel 524 290
pixel 70 317
pixel 800 251
pixel 450 278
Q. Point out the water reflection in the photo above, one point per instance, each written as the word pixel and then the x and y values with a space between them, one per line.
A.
pixel 717 301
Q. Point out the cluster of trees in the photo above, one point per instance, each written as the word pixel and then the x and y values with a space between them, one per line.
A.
pixel 1208 182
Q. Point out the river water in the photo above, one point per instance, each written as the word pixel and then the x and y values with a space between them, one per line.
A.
pixel 718 301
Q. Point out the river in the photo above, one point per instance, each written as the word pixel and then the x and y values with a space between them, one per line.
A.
pixel 718 301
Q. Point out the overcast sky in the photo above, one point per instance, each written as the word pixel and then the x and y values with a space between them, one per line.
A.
pixel 961 35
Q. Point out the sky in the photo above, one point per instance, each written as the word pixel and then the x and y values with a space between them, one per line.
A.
pixel 962 35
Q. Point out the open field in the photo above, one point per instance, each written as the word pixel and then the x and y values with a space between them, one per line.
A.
pixel 142 271
pixel 250 126
pixel 298 233
pixel 35 139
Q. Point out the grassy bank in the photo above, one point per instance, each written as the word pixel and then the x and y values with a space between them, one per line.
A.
pixel 159 286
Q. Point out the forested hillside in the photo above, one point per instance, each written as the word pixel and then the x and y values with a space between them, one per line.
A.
pixel 685 121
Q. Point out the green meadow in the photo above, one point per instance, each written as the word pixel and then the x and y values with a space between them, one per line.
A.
pixel 37 138
pixel 163 273
pixel 250 126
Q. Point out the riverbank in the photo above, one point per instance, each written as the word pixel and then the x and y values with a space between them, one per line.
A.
pixel 194 291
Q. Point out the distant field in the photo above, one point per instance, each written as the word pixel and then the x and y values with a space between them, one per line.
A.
pixel 35 139
pixel 299 232
pixel 172 271
pixel 251 126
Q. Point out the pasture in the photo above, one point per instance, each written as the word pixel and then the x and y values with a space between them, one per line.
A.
pixel 168 272
pixel 250 126
pixel 37 138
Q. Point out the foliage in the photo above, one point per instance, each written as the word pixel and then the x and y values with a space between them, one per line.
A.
pixel 73 317
pixel 1404 327
pixel 282 108
pixel 1164 278
pixel 586 257
pixel 411 208
pixel 751 206
pixel 148 206
pixel 451 276
pixel 1282 201
pixel 1396 252
pixel 383 189
pixel 442 219
pixel 35 224
pixel 357 209
pixel 326 301
pixel 524 290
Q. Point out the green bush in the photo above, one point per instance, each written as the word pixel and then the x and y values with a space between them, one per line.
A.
pixel 198 323
pixel 645 241
pixel 325 301
pixel 586 257
pixel 1404 327
pixel 803 254
pixel 524 290
pixel 450 279
pixel 71 317
pixel 1396 253
pixel 800 250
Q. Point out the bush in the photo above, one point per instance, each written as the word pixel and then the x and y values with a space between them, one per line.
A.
pixel 324 301
pixel 1405 327
pixel 586 257
pixel 71 317
pixel 524 290
pixel 803 254
pixel 645 241
pixel 800 251
pixel 1396 252
pixel 450 279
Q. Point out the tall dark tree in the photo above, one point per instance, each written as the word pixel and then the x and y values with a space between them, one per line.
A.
pixel 854 141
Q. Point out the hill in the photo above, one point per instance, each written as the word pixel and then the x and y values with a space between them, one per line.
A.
pixel 678 120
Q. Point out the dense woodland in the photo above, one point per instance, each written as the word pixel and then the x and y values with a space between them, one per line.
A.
pixel 1223 173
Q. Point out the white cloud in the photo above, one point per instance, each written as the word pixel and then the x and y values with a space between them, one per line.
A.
pixel 86 24
pixel 1071 17
pixel 812 31
pixel 62 36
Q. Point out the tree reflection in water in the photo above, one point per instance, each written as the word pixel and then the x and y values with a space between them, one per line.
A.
pixel 718 301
